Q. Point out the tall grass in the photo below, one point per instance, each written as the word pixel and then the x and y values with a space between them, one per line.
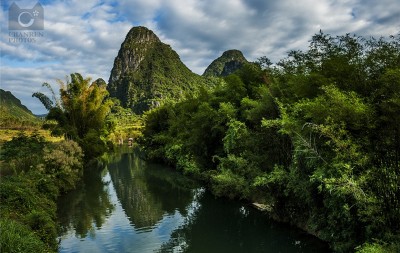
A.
pixel 16 237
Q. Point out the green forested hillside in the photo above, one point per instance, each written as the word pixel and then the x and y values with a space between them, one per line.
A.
pixel 226 64
pixel 147 72
pixel 13 114
pixel 316 138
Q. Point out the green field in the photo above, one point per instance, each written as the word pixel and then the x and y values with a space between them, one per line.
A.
pixel 8 134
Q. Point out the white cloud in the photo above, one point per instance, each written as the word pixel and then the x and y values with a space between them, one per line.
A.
pixel 85 36
pixel 79 36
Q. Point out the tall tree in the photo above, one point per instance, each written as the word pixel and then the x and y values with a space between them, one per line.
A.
pixel 80 113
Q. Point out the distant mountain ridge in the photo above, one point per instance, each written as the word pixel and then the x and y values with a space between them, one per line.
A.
pixel 146 72
pixel 12 111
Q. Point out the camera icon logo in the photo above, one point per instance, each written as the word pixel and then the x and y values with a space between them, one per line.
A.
pixel 26 19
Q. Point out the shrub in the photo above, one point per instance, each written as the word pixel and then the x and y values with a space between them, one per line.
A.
pixel 23 152
pixel 43 224
pixel 226 183
pixel 63 163
pixel 378 247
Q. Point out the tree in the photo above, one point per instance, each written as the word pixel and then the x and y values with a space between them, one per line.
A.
pixel 315 136
pixel 80 113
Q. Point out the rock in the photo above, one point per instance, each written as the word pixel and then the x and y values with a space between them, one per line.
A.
pixel 262 207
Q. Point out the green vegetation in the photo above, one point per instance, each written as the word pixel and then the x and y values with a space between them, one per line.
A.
pixel 16 237
pixel 226 64
pixel 80 113
pixel 316 138
pixel 88 209
pixel 14 115
pixel 125 124
pixel 8 134
pixel 34 173
pixel 147 72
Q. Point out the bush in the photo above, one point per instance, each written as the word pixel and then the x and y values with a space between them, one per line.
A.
pixel 226 183
pixel 23 152
pixel 63 163
pixel 378 247
pixel 43 224
pixel 93 145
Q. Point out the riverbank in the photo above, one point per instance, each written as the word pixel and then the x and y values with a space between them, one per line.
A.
pixel 280 213
pixel 34 173
pixel 131 205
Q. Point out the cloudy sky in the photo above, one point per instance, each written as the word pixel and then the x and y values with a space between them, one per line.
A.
pixel 85 36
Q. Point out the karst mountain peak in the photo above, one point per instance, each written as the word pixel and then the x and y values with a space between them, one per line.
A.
pixel 148 72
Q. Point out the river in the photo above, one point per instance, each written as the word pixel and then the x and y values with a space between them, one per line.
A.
pixel 130 205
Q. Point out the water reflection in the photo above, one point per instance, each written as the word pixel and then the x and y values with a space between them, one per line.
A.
pixel 134 206
pixel 220 225
pixel 147 192
pixel 87 207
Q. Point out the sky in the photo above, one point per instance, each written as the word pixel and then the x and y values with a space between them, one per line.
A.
pixel 85 36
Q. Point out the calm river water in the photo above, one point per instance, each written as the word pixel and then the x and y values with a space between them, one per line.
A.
pixel 134 206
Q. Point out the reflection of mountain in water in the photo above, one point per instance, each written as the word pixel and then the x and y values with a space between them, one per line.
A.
pixel 147 192
pixel 167 214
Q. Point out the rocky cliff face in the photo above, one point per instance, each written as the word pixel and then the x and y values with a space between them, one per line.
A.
pixel 146 72
pixel 132 52
pixel 226 64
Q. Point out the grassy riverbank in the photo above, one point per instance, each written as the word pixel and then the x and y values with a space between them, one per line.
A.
pixel 34 173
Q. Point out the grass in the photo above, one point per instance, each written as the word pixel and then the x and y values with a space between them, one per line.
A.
pixel 8 134
pixel 17 237
pixel 27 214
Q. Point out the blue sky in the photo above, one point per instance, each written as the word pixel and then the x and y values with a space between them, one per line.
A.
pixel 85 36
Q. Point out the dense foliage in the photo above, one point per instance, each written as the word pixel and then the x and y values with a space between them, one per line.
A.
pixel 316 138
pixel 80 113
pixel 38 172
pixel 124 122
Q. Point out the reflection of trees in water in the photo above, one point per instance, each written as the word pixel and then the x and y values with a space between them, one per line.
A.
pixel 221 225
pixel 215 226
pixel 116 156
pixel 86 207
pixel 147 191
pixel 180 239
